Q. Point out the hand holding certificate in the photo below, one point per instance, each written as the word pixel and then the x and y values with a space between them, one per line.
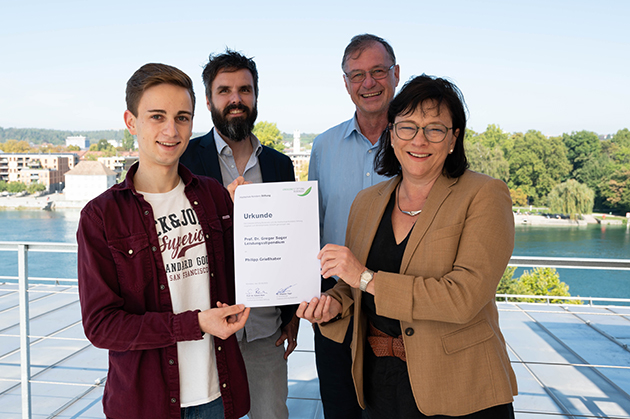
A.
pixel 276 241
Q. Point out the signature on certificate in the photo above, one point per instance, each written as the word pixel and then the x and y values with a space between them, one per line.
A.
pixel 257 292
pixel 285 290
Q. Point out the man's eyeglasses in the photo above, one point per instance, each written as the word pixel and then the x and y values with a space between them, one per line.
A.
pixel 434 133
pixel 378 73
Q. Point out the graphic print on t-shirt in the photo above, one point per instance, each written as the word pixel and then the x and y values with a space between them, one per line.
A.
pixel 174 244
pixel 183 248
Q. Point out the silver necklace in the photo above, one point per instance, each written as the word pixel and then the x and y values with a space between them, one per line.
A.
pixel 410 213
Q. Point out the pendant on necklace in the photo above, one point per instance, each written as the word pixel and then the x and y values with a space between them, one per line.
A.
pixel 410 213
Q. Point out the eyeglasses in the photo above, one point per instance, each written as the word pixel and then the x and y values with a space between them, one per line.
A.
pixel 434 133
pixel 376 73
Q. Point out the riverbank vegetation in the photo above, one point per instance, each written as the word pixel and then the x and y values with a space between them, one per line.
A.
pixel 533 166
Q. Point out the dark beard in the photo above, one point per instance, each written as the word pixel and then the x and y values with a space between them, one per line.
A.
pixel 235 129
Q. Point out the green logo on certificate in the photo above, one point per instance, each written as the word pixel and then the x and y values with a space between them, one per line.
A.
pixel 307 192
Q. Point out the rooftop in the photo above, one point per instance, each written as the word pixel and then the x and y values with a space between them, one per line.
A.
pixel 87 167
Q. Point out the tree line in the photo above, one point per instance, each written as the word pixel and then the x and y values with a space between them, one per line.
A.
pixel 568 173
pixel 572 173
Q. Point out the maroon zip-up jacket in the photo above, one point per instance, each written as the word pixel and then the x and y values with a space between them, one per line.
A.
pixel 126 304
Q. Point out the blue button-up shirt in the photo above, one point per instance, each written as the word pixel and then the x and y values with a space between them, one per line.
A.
pixel 342 161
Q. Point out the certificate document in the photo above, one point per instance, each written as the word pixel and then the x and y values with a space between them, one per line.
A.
pixel 276 241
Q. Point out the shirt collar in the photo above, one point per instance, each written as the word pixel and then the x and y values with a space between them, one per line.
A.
pixel 353 126
pixel 221 144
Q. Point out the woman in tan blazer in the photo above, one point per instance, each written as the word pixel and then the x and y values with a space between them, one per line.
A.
pixel 425 253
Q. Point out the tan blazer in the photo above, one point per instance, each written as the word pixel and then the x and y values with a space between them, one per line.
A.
pixel 444 294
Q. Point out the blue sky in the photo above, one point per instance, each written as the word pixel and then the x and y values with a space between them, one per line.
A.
pixel 554 66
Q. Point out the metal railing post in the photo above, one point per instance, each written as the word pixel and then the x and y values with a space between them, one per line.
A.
pixel 25 347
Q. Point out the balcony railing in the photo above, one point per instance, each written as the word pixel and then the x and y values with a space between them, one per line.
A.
pixel 23 279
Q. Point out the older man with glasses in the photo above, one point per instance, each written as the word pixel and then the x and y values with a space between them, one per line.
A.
pixel 342 160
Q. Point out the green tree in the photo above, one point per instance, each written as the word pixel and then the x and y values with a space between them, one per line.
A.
pixel 269 135
pixel 35 187
pixel 102 145
pixel 571 198
pixel 471 136
pixel 128 141
pixel 595 174
pixel 582 147
pixel 73 148
pixel 540 281
pixel 15 187
pixel 507 284
pixel 14 146
pixel 488 161
pixel 617 191
pixel 3 186
pixel 537 164
pixel 494 136
pixel 519 197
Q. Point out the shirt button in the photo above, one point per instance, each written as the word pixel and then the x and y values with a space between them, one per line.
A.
pixel 196 203
pixel 146 213
pixel 409 331
pixel 171 361
pixel 207 236
pixel 367 174
pixel 131 251
pixel 219 348
pixel 173 400
pixel 162 287
pixel 212 274
pixel 224 385
pixel 153 248
pixel 370 151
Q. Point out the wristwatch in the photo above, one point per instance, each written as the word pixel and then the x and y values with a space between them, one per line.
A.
pixel 366 277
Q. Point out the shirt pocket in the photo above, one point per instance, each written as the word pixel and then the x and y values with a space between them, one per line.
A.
pixel 467 337
pixel 132 256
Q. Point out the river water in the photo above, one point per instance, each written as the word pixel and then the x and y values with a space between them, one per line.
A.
pixel 592 241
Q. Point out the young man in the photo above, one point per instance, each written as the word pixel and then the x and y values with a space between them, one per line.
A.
pixel 342 161
pixel 155 265
pixel 231 153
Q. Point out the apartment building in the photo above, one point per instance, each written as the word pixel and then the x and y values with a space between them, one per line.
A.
pixel 47 169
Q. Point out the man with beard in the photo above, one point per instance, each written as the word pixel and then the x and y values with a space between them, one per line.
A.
pixel 231 153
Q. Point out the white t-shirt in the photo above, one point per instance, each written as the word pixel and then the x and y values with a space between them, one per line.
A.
pixel 183 249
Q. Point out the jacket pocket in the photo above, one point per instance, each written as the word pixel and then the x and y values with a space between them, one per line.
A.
pixel 467 337
pixel 445 233
pixel 132 256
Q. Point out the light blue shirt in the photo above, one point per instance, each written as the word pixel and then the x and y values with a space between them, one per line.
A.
pixel 342 161
pixel 229 171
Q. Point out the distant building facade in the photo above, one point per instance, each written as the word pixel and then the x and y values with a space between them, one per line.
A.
pixel 299 158
pixel 88 180
pixel 47 169
pixel 79 141
pixel 115 143
pixel 120 163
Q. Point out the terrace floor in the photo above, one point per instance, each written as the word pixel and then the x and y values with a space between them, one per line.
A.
pixel 571 361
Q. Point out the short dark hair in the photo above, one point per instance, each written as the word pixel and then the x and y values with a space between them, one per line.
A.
pixel 414 94
pixel 150 75
pixel 360 43
pixel 228 61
